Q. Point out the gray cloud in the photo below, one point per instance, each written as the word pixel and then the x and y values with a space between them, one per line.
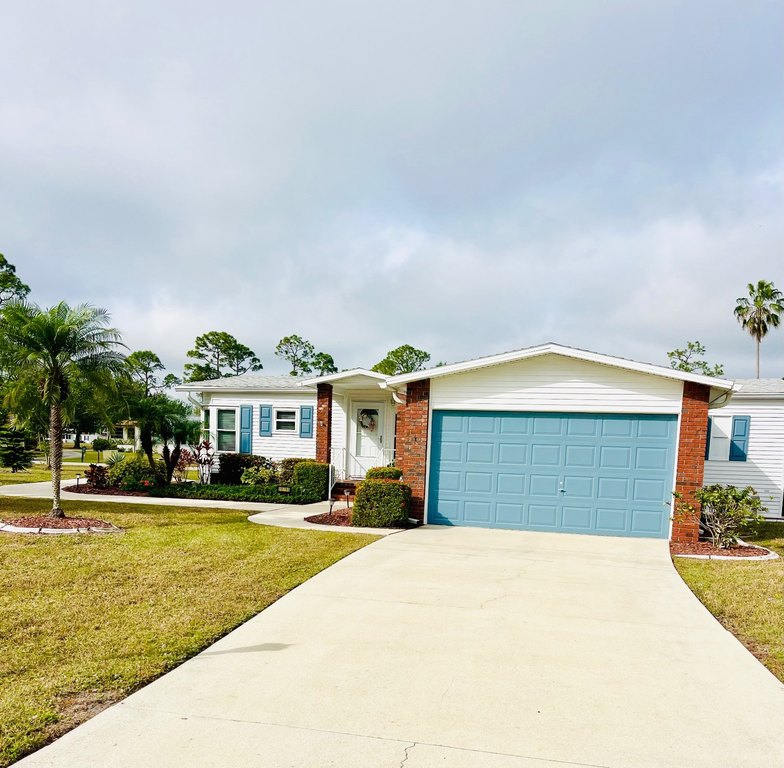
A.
pixel 468 177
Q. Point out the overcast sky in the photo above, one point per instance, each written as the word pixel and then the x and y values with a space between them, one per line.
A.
pixel 466 177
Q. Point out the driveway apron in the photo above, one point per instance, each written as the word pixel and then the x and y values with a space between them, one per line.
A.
pixel 460 647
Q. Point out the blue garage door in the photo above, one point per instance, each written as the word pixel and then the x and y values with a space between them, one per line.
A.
pixel 582 473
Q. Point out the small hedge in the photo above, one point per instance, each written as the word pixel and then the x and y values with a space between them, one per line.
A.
pixel 269 493
pixel 286 470
pixel 134 470
pixel 381 504
pixel 311 479
pixel 384 473
pixel 232 465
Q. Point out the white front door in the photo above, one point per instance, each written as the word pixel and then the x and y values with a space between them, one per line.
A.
pixel 368 435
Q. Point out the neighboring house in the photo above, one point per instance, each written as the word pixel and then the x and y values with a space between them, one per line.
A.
pixel 127 435
pixel 546 438
pixel 746 442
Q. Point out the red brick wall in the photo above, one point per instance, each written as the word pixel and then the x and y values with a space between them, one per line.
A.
pixel 324 423
pixel 691 455
pixel 411 454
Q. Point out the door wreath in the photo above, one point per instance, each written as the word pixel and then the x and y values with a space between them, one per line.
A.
pixel 367 419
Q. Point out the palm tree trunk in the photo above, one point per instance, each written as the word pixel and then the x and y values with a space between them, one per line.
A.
pixel 758 355
pixel 56 454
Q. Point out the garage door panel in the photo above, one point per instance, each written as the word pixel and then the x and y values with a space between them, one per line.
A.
pixel 593 473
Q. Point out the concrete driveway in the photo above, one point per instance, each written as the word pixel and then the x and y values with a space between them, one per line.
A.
pixel 460 648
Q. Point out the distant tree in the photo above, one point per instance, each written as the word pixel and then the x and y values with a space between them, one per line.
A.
pixel 11 287
pixel 220 354
pixel 760 312
pixel 16 449
pixel 298 352
pixel 690 360
pixel 170 381
pixel 404 359
pixel 143 367
pixel 323 364
pixel 50 349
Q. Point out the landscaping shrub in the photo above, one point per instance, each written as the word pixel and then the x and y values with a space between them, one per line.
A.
pixel 101 444
pixel 96 476
pixel 16 449
pixel 114 458
pixel 381 504
pixel 384 473
pixel 268 493
pixel 286 470
pixel 311 479
pixel 232 465
pixel 133 471
pixel 258 476
pixel 726 512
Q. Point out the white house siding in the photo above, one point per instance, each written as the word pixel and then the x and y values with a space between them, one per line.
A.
pixel 339 420
pixel 557 384
pixel 280 445
pixel 764 465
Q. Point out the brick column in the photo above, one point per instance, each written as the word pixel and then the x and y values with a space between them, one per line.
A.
pixel 411 454
pixel 691 455
pixel 324 424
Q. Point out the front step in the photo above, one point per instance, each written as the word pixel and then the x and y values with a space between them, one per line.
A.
pixel 340 488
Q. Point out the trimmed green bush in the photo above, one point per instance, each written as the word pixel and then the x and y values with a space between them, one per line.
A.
pixel 286 470
pixel 384 473
pixel 134 470
pixel 232 465
pixel 101 444
pixel 258 476
pixel 233 493
pixel 381 504
pixel 311 479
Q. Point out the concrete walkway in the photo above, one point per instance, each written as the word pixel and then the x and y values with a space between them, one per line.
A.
pixel 459 648
pixel 277 515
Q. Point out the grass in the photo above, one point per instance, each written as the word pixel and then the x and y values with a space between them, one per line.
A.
pixel 86 619
pixel 36 474
pixel 747 598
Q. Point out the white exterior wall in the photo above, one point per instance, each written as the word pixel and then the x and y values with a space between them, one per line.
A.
pixel 764 465
pixel 339 421
pixel 281 445
pixel 556 384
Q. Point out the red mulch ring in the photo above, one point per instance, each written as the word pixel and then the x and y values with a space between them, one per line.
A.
pixel 102 491
pixel 338 517
pixel 57 522
pixel 706 548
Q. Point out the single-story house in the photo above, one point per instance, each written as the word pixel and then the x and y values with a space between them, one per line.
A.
pixel 745 443
pixel 546 438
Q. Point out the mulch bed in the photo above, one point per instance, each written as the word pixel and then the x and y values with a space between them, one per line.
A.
pixel 57 522
pixel 102 491
pixel 338 517
pixel 706 548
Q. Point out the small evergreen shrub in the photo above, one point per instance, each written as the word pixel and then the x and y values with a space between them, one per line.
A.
pixel 232 465
pixel 101 444
pixel 97 476
pixel 381 504
pixel 16 449
pixel 258 476
pixel 384 473
pixel 286 470
pixel 133 470
pixel 311 479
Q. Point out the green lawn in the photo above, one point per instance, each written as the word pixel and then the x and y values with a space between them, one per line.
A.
pixel 36 474
pixel 747 598
pixel 86 619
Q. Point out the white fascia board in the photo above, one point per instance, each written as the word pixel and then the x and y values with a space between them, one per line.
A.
pixel 330 377
pixel 556 349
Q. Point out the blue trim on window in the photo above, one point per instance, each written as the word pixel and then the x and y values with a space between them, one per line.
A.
pixel 265 420
pixel 306 421
pixel 739 443
pixel 246 430
pixel 707 438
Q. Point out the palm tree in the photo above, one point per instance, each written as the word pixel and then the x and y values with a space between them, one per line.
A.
pixel 760 312
pixel 47 351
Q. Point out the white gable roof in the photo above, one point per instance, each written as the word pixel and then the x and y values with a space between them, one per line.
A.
pixel 331 378
pixel 558 349
pixel 247 382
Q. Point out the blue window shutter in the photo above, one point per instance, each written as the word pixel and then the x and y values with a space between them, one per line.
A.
pixel 306 421
pixel 739 444
pixel 246 420
pixel 265 420
pixel 707 438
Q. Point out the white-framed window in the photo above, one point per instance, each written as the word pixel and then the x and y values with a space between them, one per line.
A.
pixel 226 429
pixel 286 420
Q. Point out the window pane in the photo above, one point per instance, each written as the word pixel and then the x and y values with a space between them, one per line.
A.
pixel 227 420
pixel 206 419
pixel 226 441
pixel 285 421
